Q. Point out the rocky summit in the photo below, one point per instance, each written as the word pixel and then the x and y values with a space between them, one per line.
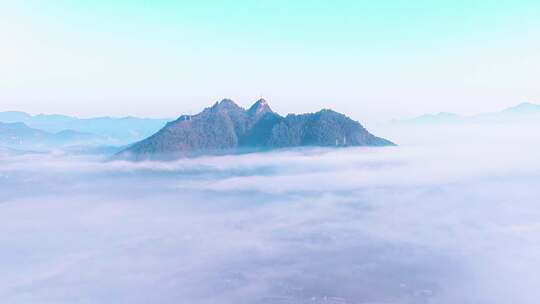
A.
pixel 226 127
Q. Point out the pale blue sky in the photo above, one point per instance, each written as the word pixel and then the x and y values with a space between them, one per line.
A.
pixel 374 60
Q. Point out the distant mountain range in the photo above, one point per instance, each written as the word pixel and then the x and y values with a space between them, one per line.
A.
pixel 109 130
pixel 522 113
pixel 18 135
pixel 223 127
pixel 226 127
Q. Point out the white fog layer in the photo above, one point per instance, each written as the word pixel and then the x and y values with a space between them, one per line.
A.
pixel 452 220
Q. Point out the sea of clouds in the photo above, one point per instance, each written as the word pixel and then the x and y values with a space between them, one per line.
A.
pixel 448 217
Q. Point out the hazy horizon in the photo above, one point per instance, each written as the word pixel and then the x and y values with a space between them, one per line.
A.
pixel 247 105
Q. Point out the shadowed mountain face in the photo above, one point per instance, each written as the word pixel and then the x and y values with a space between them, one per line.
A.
pixel 227 127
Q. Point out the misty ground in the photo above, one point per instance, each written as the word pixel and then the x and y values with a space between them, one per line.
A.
pixel 452 215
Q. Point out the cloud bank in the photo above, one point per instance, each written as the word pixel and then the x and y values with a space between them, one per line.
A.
pixel 411 224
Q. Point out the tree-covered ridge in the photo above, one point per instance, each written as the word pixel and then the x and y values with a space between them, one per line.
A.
pixel 226 126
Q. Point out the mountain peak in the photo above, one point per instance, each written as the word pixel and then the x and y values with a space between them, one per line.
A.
pixel 524 107
pixel 227 101
pixel 226 104
pixel 260 107
pixel 261 101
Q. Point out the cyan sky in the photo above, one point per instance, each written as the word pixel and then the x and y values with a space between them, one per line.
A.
pixel 370 59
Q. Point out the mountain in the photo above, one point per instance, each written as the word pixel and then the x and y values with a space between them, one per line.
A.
pixel 113 131
pixel 522 113
pixel 525 108
pixel 14 116
pixel 18 135
pixel 226 127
